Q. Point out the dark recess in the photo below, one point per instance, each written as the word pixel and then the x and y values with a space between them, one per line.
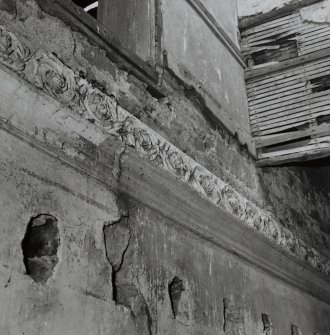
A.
pixel 40 246
pixel 175 289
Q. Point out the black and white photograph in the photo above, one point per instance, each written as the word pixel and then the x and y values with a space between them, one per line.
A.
pixel 165 167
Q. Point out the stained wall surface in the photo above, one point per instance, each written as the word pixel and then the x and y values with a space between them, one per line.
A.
pixel 99 287
pixel 219 77
pixel 152 251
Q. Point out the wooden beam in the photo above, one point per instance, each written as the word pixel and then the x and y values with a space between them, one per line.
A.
pixel 251 21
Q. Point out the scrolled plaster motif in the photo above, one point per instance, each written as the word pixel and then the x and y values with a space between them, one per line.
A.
pixel 48 73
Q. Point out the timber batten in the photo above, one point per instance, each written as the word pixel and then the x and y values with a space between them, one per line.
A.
pixel 288 84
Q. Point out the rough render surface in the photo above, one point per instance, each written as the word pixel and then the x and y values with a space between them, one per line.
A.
pixel 109 244
pixel 288 193
pixel 81 297
pixel 162 252
pixel 77 298
pixel 219 77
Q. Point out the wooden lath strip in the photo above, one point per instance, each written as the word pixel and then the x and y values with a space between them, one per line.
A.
pixel 301 60
pixel 266 94
pixel 270 23
pixel 271 27
pixel 291 74
pixel 319 107
pixel 298 27
pixel 281 96
pixel 280 129
pixel 248 22
pixel 304 149
pixel 294 157
pixel 293 105
pixel 264 141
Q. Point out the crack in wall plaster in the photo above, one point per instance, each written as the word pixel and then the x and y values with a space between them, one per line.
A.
pixel 48 73
pixel 117 237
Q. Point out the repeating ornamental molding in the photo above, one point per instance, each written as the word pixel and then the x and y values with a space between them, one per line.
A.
pixel 48 73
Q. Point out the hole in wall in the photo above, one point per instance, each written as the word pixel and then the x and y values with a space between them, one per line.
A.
pixel 268 325
pixel 295 330
pixel 40 245
pixel 175 289
pixel 320 84
pixel 280 49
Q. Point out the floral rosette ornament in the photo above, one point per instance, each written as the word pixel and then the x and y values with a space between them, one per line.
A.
pixel 12 52
pixel 100 107
pixel 59 81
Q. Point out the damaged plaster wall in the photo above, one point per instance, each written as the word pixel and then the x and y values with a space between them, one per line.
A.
pixel 115 265
pixel 192 287
pixel 76 296
pixel 286 193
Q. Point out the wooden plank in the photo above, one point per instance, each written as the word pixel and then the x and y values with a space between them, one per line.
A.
pixel 132 23
pixel 304 116
pixel 293 105
pixel 298 28
pixel 305 149
pixel 271 24
pixel 290 63
pixel 295 157
pixel 246 23
pixel 283 31
pixel 299 72
pixel 313 47
pixel 280 98
pixel 265 141
pixel 289 105
pixel 307 112
pixel 266 94
pixel 278 129
pixel 273 85
pixel 289 21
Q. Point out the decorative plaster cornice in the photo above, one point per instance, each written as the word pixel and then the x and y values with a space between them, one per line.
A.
pixel 48 73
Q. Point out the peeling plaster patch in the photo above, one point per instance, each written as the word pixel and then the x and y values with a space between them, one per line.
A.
pixel 117 238
pixel 233 315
